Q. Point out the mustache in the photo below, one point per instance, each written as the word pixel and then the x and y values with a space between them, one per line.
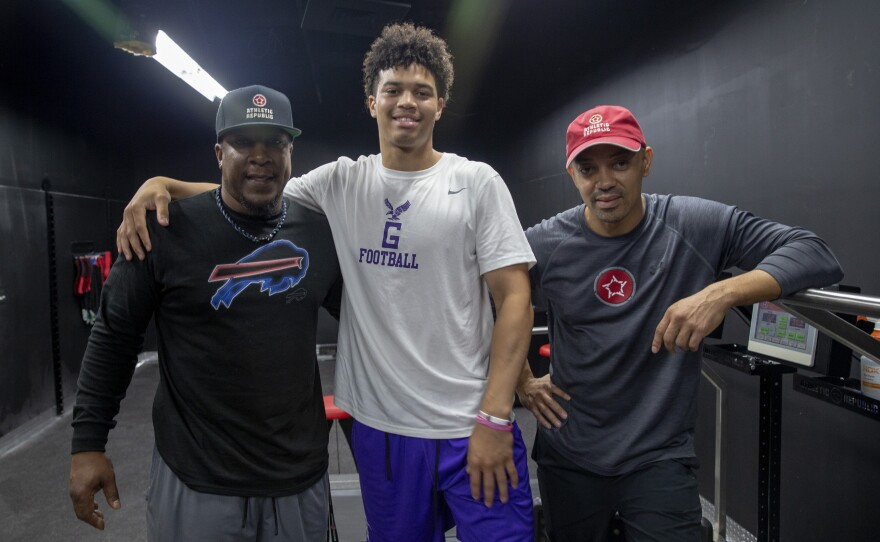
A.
pixel 614 192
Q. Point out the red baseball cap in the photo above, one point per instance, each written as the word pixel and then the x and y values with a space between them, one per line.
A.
pixel 603 124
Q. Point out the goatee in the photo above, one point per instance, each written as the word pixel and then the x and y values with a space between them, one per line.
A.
pixel 265 210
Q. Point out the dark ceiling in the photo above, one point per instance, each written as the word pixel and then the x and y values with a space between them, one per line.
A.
pixel 513 58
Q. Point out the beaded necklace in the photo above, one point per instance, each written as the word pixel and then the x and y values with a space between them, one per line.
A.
pixel 263 239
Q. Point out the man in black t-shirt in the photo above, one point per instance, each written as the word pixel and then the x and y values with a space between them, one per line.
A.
pixel 241 436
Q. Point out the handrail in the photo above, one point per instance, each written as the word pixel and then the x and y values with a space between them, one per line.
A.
pixel 845 302
pixel 818 307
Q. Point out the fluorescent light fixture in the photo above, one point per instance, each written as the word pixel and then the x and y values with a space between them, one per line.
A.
pixel 170 55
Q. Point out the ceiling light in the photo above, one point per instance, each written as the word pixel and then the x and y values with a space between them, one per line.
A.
pixel 170 55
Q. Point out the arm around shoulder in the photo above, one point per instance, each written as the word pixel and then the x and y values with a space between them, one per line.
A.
pixel 155 194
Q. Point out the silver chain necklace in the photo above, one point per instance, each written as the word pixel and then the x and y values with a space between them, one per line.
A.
pixel 263 239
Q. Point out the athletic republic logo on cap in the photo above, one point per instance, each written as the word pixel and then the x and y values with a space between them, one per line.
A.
pixel 596 125
pixel 255 105
pixel 261 111
pixel 604 124
pixel 614 286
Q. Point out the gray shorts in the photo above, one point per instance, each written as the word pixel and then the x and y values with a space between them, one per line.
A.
pixel 177 513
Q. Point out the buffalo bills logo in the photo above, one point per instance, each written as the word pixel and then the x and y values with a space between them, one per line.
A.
pixel 276 267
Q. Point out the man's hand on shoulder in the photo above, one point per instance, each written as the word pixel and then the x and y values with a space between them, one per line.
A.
pixel 132 236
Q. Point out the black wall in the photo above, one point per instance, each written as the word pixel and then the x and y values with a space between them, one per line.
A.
pixel 27 385
pixel 771 106
pixel 40 160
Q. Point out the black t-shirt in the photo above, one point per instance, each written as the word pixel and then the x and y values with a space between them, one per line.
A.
pixel 238 409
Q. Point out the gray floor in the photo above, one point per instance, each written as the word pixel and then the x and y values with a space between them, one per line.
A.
pixel 34 463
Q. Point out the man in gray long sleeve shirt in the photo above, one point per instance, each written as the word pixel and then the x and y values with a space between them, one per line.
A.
pixel 631 282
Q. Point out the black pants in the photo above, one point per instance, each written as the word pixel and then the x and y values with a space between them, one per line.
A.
pixel 659 502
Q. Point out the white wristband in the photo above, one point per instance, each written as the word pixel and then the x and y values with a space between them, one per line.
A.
pixel 499 421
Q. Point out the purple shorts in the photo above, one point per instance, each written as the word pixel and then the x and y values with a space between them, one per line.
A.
pixel 398 476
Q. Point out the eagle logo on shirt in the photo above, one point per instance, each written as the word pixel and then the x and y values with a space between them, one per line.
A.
pixel 395 213
pixel 614 286
pixel 275 267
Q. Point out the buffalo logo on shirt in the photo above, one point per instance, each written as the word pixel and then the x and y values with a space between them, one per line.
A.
pixel 275 267
pixel 614 286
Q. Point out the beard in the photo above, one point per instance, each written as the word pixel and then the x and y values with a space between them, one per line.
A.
pixel 261 210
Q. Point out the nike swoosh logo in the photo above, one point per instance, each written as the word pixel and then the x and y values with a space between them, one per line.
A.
pixel 457 191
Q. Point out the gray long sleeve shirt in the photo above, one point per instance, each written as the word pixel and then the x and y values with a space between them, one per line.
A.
pixel 605 297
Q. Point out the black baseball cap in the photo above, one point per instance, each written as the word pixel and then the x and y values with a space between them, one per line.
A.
pixel 255 105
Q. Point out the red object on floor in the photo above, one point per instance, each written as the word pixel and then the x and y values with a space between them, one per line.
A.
pixel 333 411
pixel 544 350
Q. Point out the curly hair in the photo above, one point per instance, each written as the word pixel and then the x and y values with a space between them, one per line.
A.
pixel 402 44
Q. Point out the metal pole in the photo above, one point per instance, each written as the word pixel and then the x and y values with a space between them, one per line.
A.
pixel 720 525
pixel 818 307
pixel 845 302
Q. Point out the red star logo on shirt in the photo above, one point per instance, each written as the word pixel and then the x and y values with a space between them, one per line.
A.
pixel 614 286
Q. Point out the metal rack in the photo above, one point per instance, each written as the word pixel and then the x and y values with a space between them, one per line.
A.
pixel 769 441
pixel 818 307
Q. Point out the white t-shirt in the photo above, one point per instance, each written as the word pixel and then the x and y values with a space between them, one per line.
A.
pixel 416 323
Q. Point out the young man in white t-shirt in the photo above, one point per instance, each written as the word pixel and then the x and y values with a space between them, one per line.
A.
pixel 423 238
